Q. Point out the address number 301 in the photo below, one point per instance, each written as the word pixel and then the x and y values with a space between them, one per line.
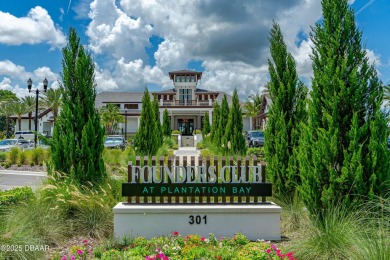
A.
pixel 197 219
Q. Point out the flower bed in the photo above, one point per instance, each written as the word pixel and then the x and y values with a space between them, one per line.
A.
pixel 175 246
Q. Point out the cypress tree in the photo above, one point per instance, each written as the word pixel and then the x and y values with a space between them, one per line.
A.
pixel 343 153
pixel 157 122
pixel 214 123
pixel 145 139
pixel 233 139
pixel 222 121
pixel 77 144
pixel 166 124
pixel 287 94
pixel 206 125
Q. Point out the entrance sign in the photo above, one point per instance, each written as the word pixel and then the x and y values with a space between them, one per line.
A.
pixel 226 181
pixel 223 196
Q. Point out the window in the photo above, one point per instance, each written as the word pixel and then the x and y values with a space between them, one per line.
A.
pixel 131 106
pixel 185 94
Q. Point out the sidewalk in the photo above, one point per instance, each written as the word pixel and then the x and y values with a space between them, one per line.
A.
pixel 186 151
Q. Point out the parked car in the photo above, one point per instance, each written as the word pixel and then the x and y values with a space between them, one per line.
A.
pixel 7 144
pixel 115 142
pixel 255 139
pixel 388 143
pixel 29 135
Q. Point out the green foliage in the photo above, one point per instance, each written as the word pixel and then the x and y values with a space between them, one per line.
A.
pixel 146 139
pixel 214 123
pixel 197 131
pixel 222 122
pixel 23 157
pixel 233 139
pixel 13 155
pixel 3 156
pixel 15 196
pixel 206 124
pixel 77 144
pixel 52 99
pixel 166 123
pixel 111 117
pixel 252 107
pixel 158 131
pixel 257 151
pixel 175 132
pixel 286 113
pixel 175 246
pixel 343 155
pixel 38 156
pixel 199 145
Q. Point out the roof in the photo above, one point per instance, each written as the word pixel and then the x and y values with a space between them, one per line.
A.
pixel 185 72
pixel 118 97
pixel 41 112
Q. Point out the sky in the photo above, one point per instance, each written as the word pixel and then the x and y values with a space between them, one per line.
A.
pixel 135 43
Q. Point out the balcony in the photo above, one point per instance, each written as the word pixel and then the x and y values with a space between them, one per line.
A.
pixel 186 103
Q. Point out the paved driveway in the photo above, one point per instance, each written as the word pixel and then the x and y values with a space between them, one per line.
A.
pixel 10 179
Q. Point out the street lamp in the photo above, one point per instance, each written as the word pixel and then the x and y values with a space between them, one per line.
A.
pixel 29 85
pixel 125 124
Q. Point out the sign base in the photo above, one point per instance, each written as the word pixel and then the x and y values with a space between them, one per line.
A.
pixel 260 221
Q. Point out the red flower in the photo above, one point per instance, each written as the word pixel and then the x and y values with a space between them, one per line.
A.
pixel 268 251
pixel 202 239
pixel 175 233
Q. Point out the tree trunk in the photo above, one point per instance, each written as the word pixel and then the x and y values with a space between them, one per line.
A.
pixel 19 123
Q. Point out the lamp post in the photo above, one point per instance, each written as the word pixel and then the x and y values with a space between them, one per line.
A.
pixel 29 85
pixel 125 124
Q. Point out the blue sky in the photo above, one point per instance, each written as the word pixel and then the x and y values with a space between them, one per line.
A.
pixel 135 43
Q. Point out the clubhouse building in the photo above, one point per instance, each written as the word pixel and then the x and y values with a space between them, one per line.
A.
pixel 186 105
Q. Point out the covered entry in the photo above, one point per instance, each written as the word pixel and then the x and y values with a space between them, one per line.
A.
pixel 186 127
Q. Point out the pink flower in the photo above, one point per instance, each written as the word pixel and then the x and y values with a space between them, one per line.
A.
pixel 278 253
pixel 73 257
pixel 202 239
pixel 79 252
pixel 175 233
pixel 63 258
pixel 274 247
pixel 268 251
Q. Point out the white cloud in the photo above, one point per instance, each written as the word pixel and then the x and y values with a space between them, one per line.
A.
pixel 231 39
pixel 16 76
pixel 373 58
pixel 36 27
pixel 8 68
pixel 6 84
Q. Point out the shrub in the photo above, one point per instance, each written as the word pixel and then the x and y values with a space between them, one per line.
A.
pixel 175 132
pixel 23 157
pixel 15 196
pixel 3 156
pixel 13 155
pixel 333 235
pixel 37 156
pixel 199 145
pixel 170 141
pixel 257 151
pixel 175 146
pixel 197 131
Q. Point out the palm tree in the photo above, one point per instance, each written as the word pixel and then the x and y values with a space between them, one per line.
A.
pixel 29 102
pixel 52 99
pixel 6 99
pixel 19 108
pixel 110 117
pixel 252 106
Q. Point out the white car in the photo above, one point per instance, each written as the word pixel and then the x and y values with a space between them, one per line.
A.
pixel 7 144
